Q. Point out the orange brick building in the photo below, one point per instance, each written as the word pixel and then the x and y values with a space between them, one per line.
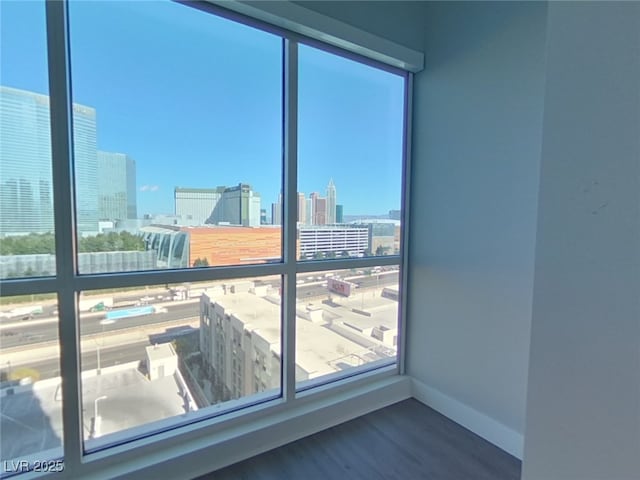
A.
pixel 222 245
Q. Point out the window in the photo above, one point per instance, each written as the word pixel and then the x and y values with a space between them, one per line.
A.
pixel 349 158
pixel 215 222
pixel 31 395
pixel 26 182
pixel 180 121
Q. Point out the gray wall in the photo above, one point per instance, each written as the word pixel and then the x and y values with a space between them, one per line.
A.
pixel 583 410
pixel 477 136
pixel 398 21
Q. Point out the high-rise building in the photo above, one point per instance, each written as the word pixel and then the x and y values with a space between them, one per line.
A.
pixel 196 203
pixel 85 155
pixel 331 202
pixel 319 209
pixel 308 219
pixel 237 205
pixel 302 208
pixel 263 216
pixel 276 211
pixel 339 214
pixel 116 186
pixel 26 190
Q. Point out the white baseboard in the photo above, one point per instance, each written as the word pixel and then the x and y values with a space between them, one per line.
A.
pixel 486 427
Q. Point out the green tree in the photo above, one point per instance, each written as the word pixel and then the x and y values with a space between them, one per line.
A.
pixel 111 242
pixel 344 254
pixel 318 256
pixel 183 346
pixel 44 243
pixel 33 243
pixel 201 262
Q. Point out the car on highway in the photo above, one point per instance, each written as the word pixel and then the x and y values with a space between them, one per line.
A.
pixel 23 313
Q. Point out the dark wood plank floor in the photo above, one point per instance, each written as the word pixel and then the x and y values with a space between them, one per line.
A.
pixel 405 441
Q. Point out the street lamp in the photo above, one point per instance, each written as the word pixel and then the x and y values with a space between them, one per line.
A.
pixel 104 322
pixel 97 419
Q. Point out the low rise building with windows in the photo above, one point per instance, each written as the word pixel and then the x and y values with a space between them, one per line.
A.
pixel 332 240
pixel 240 341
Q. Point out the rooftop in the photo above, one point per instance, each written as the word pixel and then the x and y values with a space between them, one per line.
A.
pixel 32 416
pixel 160 351
pixel 319 349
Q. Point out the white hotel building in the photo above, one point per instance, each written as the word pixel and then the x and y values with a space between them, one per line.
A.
pixel 325 239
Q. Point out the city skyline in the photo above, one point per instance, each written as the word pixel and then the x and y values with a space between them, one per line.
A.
pixel 106 180
pixel 229 124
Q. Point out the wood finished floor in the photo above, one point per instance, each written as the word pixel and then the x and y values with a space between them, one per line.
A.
pixel 405 441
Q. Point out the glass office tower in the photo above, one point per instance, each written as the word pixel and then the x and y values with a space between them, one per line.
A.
pixel 116 186
pixel 26 191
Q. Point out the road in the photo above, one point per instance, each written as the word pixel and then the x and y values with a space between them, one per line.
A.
pixel 24 333
pixel 33 334
pixel 132 352
pixel 41 330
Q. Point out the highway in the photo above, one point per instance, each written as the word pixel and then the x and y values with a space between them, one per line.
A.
pixel 132 352
pixel 24 334
pixel 16 334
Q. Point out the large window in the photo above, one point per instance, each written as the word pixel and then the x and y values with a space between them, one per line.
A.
pixel 210 213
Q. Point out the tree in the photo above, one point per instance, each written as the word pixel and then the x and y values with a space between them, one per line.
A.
pixel 111 242
pixel 183 346
pixel 44 243
pixel 345 254
pixel 201 262
pixel 33 243
pixel 381 250
pixel 318 256
pixel 331 254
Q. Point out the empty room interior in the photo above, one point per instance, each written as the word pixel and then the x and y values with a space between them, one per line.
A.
pixel 350 239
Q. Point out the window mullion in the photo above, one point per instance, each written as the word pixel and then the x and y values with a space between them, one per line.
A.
pixel 64 207
pixel 404 232
pixel 290 99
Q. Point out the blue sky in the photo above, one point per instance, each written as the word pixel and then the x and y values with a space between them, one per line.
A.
pixel 196 101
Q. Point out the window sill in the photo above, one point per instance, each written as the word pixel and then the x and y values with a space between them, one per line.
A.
pixel 196 449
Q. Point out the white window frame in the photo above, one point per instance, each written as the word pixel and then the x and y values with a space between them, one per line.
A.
pixel 180 440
